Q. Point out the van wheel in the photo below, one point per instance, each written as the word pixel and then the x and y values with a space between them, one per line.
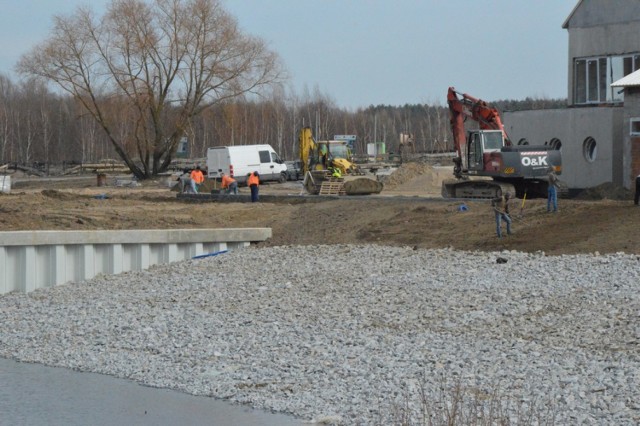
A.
pixel 283 178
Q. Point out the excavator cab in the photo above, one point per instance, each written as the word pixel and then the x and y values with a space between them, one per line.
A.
pixel 481 142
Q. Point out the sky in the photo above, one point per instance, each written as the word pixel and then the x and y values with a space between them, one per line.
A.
pixel 370 52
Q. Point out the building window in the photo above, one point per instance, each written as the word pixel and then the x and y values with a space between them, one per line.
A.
pixel 635 127
pixel 592 81
pixel 580 92
pixel 555 144
pixel 590 149
pixel 593 78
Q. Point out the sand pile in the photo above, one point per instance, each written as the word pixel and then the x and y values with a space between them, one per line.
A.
pixel 604 191
pixel 405 173
pixel 417 177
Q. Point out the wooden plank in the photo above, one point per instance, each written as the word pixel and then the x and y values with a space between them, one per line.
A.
pixel 332 187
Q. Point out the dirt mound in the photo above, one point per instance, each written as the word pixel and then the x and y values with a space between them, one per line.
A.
pixel 362 186
pixel 417 178
pixel 405 173
pixel 605 191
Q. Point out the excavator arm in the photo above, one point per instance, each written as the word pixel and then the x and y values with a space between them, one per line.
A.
pixel 463 106
pixel 307 146
pixel 487 117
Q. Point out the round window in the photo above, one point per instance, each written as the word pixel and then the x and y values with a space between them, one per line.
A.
pixel 590 149
pixel 555 144
pixel 523 141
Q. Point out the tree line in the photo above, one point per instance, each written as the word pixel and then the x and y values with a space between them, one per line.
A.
pixel 136 82
pixel 39 126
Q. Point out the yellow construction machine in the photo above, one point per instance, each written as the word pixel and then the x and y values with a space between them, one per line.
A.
pixel 328 169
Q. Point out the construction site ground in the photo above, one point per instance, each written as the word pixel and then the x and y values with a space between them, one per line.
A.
pixel 408 212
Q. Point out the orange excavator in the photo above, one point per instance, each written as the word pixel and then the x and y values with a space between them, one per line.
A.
pixel 487 164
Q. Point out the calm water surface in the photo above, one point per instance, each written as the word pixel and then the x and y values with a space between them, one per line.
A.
pixel 32 394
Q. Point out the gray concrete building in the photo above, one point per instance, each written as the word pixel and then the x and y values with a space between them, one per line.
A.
pixel 593 133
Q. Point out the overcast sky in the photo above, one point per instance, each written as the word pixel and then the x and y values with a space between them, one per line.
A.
pixel 369 52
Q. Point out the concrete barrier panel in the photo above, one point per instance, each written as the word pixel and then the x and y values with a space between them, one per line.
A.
pixel 40 259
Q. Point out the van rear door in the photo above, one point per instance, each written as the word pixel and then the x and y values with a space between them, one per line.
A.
pixel 217 161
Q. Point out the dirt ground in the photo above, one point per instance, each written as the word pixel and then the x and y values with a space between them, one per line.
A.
pixel 408 212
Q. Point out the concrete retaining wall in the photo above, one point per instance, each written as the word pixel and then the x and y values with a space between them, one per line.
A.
pixel 36 259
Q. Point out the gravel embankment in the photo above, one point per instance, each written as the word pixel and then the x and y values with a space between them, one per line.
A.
pixel 344 332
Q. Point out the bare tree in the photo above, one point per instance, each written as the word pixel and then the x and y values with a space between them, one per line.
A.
pixel 163 63
pixel 6 95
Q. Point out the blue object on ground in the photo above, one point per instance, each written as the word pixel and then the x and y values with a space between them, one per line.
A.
pixel 463 208
pixel 210 254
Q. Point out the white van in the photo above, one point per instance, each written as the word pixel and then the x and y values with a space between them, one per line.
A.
pixel 238 161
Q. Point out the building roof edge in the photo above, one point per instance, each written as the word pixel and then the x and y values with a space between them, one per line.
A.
pixel 565 25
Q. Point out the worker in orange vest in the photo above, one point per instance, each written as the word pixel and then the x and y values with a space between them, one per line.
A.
pixel 253 181
pixel 229 184
pixel 186 182
pixel 197 177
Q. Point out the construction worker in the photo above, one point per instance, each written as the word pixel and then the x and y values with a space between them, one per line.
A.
pixel 253 181
pixel 229 184
pixel 335 172
pixel 501 210
pixel 186 182
pixel 197 177
pixel 552 191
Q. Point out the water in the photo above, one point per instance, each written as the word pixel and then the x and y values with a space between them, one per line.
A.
pixel 33 394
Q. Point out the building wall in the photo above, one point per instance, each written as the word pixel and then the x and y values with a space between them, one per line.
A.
pixel 596 28
pixel 601 28
pixel 572 127
pixel 634 144
pixel 631 144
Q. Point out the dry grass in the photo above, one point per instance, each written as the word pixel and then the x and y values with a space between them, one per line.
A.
pixel 457 405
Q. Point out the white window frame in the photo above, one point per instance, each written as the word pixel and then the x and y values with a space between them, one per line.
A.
pixel 634 121
pixel 611 95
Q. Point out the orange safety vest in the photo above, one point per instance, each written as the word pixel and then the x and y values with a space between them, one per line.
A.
pixel 253 180
pixel 226 181
pixel 197 176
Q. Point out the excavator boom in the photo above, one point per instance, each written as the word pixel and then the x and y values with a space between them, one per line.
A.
pixel 307 148
pixel 463 106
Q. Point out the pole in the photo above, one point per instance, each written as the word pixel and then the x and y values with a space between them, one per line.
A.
pixel 523 200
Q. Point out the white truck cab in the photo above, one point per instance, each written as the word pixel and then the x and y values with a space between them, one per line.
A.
pixel 238 161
